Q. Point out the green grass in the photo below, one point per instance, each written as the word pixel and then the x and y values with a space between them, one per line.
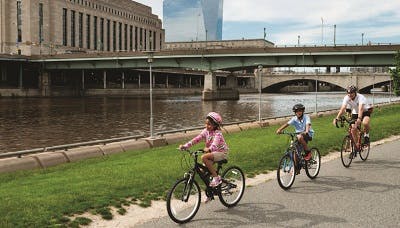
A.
pixel 49 197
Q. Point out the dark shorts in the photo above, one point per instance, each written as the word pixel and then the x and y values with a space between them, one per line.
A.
pixel 307 137
pixel 366 113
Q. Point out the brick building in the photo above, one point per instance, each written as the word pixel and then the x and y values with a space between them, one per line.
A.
pixel 33 27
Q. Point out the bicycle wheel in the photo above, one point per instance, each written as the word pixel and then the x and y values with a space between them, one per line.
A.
pixel 286 172
pixel 183 200
pixel 346 153
pixel 314 164
pixel 232 187
pixel 364 152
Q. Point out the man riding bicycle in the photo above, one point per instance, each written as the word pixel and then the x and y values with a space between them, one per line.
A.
pixel 360 110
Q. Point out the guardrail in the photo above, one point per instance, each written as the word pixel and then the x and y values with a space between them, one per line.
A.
pixel 68 146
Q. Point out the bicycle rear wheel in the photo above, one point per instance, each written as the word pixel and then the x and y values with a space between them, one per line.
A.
pixel 364 152
pixel 346 153
pixel 232 187
pixel 314 164
pixel 183 200
pixel 286 172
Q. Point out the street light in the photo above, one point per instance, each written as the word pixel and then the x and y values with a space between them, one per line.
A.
pixel 150 55
pixel 298 40
pixel 362 38
pixel 260 67
pixel 322 31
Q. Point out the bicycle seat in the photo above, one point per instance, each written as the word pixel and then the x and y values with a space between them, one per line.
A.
pixel 224 161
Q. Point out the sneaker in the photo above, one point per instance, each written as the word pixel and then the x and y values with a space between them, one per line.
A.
pixel 366 139
pixel 208 199
pixel 215 181
pixel 307 156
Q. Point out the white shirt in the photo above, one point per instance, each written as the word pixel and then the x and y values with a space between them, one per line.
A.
pixel 359 99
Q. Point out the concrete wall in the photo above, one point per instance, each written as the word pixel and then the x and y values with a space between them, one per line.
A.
pixel 48 159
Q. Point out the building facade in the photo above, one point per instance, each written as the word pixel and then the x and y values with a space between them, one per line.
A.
pixel 192 20
pixel 34 27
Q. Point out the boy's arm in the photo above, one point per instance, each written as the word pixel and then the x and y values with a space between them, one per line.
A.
pixel 285 125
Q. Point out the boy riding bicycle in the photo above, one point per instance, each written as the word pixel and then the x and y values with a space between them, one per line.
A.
pixel 302 123
pixel 216 148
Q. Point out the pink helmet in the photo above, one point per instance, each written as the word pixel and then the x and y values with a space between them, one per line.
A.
pixel 215 117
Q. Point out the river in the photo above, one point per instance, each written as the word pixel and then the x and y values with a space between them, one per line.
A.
pixel 27 123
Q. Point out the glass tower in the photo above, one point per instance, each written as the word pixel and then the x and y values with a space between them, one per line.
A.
pixel 192 20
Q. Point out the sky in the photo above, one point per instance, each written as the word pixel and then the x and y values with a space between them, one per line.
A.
pixel 308 22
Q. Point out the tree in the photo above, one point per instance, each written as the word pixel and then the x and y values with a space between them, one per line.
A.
pixel 395 75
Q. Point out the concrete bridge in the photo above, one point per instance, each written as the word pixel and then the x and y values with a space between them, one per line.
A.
pixel 211 60
pixel 363 81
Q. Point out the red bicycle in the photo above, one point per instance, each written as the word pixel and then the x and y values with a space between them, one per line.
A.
pixel 350 146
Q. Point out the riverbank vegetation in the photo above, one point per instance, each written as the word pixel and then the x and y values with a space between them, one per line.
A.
pixel 43 198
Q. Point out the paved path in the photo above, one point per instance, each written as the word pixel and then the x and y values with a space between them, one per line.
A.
pixel 365 195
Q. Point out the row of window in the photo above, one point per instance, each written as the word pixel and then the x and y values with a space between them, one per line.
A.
pixel 114 11
pixel 107 28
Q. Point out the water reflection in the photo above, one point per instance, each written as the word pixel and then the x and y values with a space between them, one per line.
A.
pixel 27 123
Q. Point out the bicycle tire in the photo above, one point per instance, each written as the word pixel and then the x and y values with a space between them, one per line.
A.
pixel 286 173
pixel 182 210
pixel 347 151
pixel 364 152
pixel 314 164
pixel 232 188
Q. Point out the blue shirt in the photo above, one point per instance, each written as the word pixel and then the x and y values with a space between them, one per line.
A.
pixel 300 125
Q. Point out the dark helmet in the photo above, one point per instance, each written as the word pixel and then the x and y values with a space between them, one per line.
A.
pixel 351 89
pixel 297 107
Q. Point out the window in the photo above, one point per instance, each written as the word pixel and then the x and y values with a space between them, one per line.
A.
pixel 154 40
pixel 88 31
pixel 80 33
pixel 95 32
pixel 126 36
pixel 72 28
pixel 19 21
pixel 130 37
pixel 41 23
pixel 136 38
pixel 64 24
pixel 102 34
pixel 108 35
pixel 120 35
pixel 145 39
pixel 141 40
pixel 114 35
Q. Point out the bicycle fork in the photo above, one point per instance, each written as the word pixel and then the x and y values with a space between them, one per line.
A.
pixel 188 187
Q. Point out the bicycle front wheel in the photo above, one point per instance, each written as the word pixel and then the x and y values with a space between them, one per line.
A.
pixel 346 153
pixel 183 200
pixel 286 172
pixel 314 164
pixel 232 187
pixel 364 152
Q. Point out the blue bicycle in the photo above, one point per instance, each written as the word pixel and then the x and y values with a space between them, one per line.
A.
pixel 293 161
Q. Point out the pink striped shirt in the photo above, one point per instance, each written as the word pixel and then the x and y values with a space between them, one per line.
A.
pixel 214 141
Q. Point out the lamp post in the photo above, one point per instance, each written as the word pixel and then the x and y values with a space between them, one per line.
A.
pixel 298 40
pixel 150 55
pixel 362 38
pixel 322 31
pixel 260 67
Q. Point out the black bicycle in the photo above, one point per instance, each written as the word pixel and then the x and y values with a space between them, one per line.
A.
pixel 349 149
pixel 183 200
pixel 293 161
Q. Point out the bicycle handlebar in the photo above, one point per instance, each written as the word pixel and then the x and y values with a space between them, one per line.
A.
pixel 343 119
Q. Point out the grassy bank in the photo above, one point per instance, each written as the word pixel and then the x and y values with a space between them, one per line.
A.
pixel 47 197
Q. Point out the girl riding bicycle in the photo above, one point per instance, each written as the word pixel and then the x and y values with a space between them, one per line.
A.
pixel 215 146
pixel 302 123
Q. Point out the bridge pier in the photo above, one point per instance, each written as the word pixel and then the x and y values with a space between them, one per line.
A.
pixel 44 83
pixel 212 92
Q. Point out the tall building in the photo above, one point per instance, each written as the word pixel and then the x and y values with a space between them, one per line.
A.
pixel 32 27
pixel 192 20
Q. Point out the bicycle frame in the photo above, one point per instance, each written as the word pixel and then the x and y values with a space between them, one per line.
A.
pixel 203 172
pixel 294 150
pixel 350 122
